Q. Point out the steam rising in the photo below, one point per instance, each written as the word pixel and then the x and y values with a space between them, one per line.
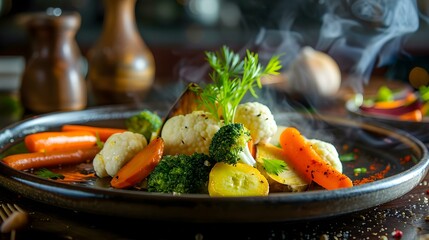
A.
pixel 361 32
pixel 357 34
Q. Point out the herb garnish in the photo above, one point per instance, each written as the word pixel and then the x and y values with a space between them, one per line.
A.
pixel 232 77
pixel 274 166
pixel 45 173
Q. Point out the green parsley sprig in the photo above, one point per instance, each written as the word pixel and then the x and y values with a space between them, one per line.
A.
pixel 232 78
pixel 274 166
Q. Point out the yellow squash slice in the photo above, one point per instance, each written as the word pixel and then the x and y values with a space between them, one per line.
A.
pixel 287 180
pixel 227 180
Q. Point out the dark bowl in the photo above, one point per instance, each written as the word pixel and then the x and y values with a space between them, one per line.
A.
pixel 378 146
pixel 418 129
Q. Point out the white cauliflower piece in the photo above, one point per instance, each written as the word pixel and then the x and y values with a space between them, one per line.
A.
pixel 258 119
pixel 328 152
pixel 117 150
pixel 190 133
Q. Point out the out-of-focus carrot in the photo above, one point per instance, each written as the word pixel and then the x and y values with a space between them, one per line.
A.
pixel 103 133
pixel 396 103
pixel 308 164
pixel 252 148
pixel 415 115
pixel 53 141
pixel 25 161
pixel 140 166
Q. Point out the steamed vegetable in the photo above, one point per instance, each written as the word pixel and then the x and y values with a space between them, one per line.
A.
pixel 237 180
pixel 145 122
pixel 190 133
pixel 300 155
pixel 26 161
pixel 230 145
pixel 140 166
pixel 117 151
pixel 232 77
pixel 258 119
pixel 281 179
pixel 52 141
pixel 181 174
pixel 103 133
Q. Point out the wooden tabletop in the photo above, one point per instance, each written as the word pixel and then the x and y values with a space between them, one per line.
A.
pixel 404 218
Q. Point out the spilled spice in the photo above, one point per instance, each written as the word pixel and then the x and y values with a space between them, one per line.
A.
pixel 374 177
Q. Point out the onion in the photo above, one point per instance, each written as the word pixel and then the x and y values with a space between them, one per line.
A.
pixel 314 72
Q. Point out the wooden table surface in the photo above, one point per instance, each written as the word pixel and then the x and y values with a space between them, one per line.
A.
pixel 408 215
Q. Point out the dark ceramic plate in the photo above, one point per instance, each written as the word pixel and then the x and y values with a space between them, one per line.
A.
pixel 400 158
pixel 418 129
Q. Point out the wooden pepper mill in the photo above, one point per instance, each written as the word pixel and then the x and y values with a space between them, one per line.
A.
pixel 52 79
pixel 121 67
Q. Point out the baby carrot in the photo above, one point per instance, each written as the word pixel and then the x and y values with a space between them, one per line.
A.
pixel 140 166
pixel 25 161
pixel 103 133
pixel 52 141
pixel 308 164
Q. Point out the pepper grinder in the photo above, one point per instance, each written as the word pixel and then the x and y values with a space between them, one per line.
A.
pixel 53 79
pixel 121 66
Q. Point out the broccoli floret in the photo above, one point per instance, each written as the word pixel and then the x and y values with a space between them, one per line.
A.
pixel 229 145
pixel 145 123
pixel 181 174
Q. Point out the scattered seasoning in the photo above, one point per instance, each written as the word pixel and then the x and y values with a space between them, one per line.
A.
pixel 372 178
pixel 405 159
pixel 397 234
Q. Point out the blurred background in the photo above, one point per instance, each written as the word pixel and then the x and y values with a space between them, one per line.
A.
pixel 173 29
pixel 365 37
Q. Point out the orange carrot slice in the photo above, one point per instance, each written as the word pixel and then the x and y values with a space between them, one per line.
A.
pixel 140 166
pixel 103 133
pixel 25 161
pixel 53 141
pixel 396 103
pixel 415 115
pixel 308 164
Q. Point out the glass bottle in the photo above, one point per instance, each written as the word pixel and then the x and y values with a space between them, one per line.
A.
pixel 121 67
pixel 52 79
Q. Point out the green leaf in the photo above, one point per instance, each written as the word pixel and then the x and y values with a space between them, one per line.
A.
pixel 45 173
pixel 232 78
pixel 274 166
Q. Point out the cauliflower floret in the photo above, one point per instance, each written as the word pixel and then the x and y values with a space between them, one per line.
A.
pixel 328 152
pixel 190 133
pixel 258 119
pixel 117 150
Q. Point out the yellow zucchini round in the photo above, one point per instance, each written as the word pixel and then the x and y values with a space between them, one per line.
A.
pixel 227 180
